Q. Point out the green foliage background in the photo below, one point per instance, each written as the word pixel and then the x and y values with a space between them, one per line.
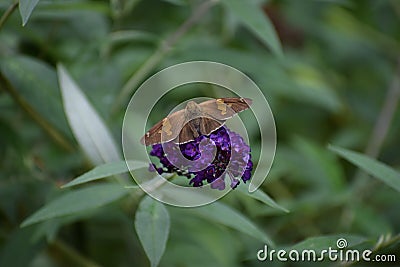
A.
pixel 329 69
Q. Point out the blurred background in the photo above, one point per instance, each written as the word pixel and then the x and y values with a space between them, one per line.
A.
pixel 329 69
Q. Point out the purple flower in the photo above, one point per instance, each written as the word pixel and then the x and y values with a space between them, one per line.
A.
pixel 207 159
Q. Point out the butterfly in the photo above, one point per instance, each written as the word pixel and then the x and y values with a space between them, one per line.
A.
pixel 194 120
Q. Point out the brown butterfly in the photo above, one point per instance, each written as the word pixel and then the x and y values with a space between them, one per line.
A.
pixel 196 119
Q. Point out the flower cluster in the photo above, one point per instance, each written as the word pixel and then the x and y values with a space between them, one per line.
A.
pixel 207 159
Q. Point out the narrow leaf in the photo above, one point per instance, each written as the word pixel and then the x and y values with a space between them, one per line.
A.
pixel 152 224
pixel 371 166
pixel 263 197
pixel 253 18
pixel 225 215
pixel 77 201
pixel 319 165
pixel 25 9
pixel 89 129
pixel 106 170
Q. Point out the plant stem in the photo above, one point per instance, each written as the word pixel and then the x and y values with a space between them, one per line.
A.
pixel 362 185
pixel 164 47
pixel 8 13
pixel 381 127
pixel 47 127
pixel 385 117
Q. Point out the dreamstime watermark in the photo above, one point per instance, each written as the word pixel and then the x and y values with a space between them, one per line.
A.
pixel 340 253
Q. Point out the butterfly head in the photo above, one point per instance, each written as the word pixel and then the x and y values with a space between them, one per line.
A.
pixel 193 110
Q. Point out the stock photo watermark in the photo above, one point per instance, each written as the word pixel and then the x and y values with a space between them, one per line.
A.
pixel 338 253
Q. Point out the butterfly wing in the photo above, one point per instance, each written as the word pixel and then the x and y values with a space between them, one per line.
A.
pixel 175 127
pixel 186 135
pixel 225 108
pixel 165 130
pixel 207 126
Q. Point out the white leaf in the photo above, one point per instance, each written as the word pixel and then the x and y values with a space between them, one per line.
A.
pixel 89 129
pixel 25 9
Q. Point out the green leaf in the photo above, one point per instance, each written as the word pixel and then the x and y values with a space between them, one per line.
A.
pixel 177 2
pixel 89 129
pixel 106 170
pixel 68 8
pixel 225 215
pixel 120 8
pixel 36 84
pixel 77 201
pixel 258 22
pixel 25 9
pixel 373 167
pixel 152 224
pixel 369 221
pixel 320 243
pixel 319 165
pixel 261 196
pixel 49 229
pixel 310 86
pixel 128 36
